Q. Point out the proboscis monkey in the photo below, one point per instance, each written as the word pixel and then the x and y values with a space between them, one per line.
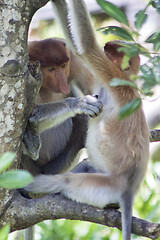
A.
pixel 59 67
pixel 57 127
pixel 58 133
pixel 118 150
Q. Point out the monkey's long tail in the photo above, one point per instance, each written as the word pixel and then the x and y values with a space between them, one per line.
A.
pixel 126 203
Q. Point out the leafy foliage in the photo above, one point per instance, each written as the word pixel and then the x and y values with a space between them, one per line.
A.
pixel 12 179
pixel 120 32
pixel 4 231
pixel 116 82
pixel 72 230
pixel 113 11
pixel 15 179
pixel 155 40
pixel 129 108
pixel 141 17
pixel 5 160
pixel 149 72
pixel 156 4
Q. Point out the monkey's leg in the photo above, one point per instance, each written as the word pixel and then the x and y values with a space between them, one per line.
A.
pixel 91 188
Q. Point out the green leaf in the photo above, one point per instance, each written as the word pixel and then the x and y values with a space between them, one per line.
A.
pixel 156 4
pixel 155 39
pixel 131 52
pixel 15 179
pixel 120 32
pixel 116 82
pixel 113 11
pixel 129 108
pixel 6 160
pixel 150 73
pixel 125 62
pixel 140 19
pixel 132 49
pixel 4 231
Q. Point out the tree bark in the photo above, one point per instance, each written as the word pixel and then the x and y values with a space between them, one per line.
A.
pixel 23 213
pixel 155 135
pixel 18 86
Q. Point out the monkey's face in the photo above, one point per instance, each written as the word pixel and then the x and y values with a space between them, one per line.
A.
pixel 55 78
pixel 111 50
pixel 54 58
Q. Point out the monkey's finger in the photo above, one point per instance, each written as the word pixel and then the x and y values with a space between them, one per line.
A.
pixel 97 108
pixel 93 113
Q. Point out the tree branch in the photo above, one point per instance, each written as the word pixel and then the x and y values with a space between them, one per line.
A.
pixel 155 135
pixel 24 213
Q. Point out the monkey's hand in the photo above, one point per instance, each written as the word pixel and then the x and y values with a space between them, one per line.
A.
pixel 89 105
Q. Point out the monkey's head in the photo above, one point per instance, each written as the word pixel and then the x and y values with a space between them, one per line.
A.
pixel 111 50
pixel 54 58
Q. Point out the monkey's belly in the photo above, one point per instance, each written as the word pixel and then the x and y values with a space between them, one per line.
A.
pixel 93 142
pixel 54 141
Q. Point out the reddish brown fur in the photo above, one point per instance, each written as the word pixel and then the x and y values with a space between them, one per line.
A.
pixel 59 67
pixel 105 70
pixel 111 50
pixel 49 52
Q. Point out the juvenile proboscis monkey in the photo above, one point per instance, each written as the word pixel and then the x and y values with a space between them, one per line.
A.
pixel 118 150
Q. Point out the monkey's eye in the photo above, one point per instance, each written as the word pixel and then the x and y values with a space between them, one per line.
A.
pixel 64 65
pixel 51 69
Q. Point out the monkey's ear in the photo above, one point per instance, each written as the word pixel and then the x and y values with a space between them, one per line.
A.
pixel 110 50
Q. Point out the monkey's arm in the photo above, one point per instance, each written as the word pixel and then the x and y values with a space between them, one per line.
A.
pixel 60 7
pixel 49 115
pixel 81 75
pixel 88 47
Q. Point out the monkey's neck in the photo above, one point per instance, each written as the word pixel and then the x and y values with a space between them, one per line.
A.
pixel 45 96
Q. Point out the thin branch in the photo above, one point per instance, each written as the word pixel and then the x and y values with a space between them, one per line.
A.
pixel 155 135
pixel 24 213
